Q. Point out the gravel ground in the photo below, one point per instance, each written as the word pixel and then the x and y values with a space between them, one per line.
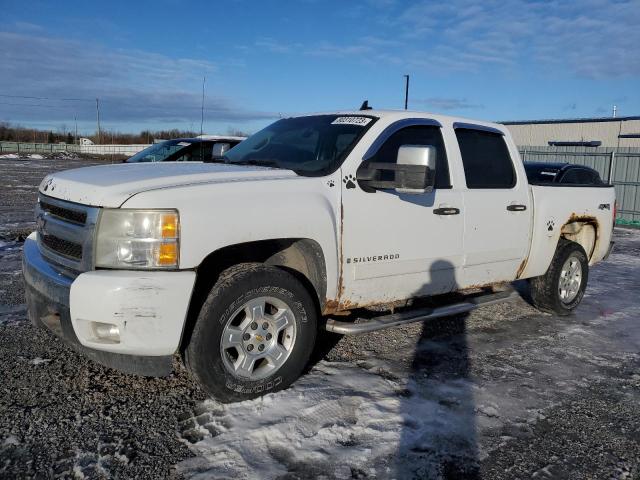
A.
pixel 542 396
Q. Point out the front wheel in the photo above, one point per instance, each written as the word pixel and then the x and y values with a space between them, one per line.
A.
pixel 254 334
pixel 561 288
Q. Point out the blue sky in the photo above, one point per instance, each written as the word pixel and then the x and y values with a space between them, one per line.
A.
pixel 495 59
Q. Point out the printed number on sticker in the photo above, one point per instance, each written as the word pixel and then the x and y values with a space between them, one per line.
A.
pixel 351 121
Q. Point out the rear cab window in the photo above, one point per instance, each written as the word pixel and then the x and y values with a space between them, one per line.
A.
pixel 485 157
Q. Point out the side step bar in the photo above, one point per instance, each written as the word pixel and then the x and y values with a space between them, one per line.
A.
pixel 418 315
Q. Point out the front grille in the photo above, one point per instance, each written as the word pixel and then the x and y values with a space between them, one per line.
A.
pixel 69 214
pixel 62 247
pixel 65 233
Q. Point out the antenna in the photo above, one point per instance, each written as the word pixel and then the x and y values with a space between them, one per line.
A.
pixel 365 105
pixel 202 109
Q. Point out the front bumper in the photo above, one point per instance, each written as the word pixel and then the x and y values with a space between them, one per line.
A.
pixel 147 308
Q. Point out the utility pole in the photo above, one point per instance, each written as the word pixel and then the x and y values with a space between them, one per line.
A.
pixel 202 109
pixel 98 117
pixel 406 91
pixel 75 138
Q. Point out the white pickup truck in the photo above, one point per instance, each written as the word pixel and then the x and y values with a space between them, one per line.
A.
pixel 236 264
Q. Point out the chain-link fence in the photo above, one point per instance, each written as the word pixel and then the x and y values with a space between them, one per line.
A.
pixel 52 148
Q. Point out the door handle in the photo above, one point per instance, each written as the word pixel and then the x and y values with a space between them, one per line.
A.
pixel 446 211
pixel 516 208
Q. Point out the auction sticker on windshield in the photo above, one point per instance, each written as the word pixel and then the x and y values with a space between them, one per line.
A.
pixel 351 121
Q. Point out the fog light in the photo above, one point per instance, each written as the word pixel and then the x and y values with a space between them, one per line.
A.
pixel 106 331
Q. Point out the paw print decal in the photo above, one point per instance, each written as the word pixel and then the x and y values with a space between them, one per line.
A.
pixel 349 181
pixel 551 225
pixel 331 183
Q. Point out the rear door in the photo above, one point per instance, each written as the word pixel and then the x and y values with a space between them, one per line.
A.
pixel 497 206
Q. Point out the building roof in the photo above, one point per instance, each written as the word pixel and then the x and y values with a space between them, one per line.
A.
pixel 571 120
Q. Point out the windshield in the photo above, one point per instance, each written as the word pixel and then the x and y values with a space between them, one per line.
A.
pixel 312 146
pixel 159 152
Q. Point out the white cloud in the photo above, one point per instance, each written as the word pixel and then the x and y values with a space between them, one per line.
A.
pixel 133 85
pixel 590 38
pixel 444 103
pixel 274 46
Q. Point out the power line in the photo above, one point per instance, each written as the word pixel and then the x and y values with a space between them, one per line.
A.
pixel 143 107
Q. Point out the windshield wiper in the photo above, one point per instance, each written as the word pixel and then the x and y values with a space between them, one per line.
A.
pixel 217 160
pixel 259 163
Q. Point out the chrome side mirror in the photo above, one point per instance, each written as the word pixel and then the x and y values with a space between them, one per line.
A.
pixel 416 168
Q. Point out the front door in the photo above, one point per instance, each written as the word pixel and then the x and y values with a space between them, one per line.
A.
pixel 397 245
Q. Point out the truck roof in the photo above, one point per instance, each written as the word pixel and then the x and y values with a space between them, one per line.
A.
pixel 400 114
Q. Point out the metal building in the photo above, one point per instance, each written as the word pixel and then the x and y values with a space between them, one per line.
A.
pixel 612 132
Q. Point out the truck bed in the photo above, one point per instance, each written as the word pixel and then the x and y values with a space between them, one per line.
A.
pixel 581 213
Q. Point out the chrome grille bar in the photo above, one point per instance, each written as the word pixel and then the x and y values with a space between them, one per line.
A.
pixel 69 214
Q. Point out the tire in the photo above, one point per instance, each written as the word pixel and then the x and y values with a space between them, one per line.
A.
pixel 257 305
pixel 553 292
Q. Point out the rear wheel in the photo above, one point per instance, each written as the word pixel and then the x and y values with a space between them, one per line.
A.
pixel 561 288
pixel 254 333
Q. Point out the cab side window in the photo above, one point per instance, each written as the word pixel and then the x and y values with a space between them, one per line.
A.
pixel 486 159
pixel 415 135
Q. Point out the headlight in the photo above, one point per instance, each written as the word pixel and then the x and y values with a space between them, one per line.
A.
pixel 138 239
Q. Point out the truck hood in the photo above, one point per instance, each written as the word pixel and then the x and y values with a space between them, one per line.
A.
pixel 112 185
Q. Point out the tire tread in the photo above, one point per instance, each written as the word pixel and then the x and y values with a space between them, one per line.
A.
pixel 543 288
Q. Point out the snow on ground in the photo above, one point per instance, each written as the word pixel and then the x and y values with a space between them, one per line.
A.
pixel 340 420
pixel 38 361
pixel 12 314
pixel 29 156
